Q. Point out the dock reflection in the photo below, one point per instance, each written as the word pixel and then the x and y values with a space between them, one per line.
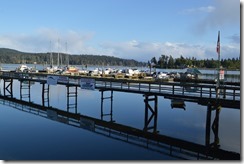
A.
pixel 153 141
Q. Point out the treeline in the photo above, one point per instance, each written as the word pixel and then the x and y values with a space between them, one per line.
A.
pixel 165 61
pixel 16 57
pixel 11 56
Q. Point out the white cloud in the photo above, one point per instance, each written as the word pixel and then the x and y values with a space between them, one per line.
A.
pixel 40 41
pixel 143 51
pixel 207 9
pixel 133 49
pixel 78 43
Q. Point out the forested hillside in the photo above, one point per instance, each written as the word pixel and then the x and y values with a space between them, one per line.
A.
pixel 16 57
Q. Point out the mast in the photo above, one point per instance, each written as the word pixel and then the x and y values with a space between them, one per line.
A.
pixel 51 55
pixel 58 54
pixel 66 53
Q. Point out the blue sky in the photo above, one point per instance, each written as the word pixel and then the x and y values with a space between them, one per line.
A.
pixel 132 29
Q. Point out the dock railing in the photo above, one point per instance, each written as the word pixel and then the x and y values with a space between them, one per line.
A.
pixel 161 88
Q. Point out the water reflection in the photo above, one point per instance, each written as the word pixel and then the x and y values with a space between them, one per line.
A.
pixel 103 119
pixel 108 98
pixel 178 103
pixel 154 141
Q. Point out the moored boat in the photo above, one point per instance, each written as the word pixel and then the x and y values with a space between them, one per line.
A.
pixel 23 68
pixel 70 70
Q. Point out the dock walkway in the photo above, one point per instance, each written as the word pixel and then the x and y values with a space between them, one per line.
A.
pixel 229 95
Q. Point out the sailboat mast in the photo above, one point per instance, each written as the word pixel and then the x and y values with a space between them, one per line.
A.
pixel 51 54
pixel 58 54
pixel 67 54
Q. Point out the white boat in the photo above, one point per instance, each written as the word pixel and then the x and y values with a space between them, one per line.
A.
pixel 53 69
pixel 161 75
pixel 83 72
pixel 23 68
pixel 107 71
pixel 128 72
pixel 95 72
pixel 136 71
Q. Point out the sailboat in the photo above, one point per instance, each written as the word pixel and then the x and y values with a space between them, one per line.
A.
pixel 71 70
pixel 52 68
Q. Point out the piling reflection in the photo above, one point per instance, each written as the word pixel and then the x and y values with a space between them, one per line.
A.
pixel 144 138
pixel 150 123
pixel 109 98
pixel 215 126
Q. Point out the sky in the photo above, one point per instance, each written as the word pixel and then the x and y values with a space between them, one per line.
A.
pixel 129 29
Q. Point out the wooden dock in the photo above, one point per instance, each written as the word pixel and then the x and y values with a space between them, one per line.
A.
pixel 201 92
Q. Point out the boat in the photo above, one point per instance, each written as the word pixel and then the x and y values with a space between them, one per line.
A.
pixel 128 72
pixel 56 69
pixel 161 75
pixel 192 73
pixel 70 70
pixel 95 72
pixel 107 71
pixel 53 69
pixel 83 72
pixel 23 68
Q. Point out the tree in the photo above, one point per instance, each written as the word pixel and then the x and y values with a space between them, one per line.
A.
pixel 154 60
pixel 171 62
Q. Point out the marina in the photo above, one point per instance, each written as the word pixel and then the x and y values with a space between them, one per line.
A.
pixel 120 81
pixel 17 91
pixel 192 89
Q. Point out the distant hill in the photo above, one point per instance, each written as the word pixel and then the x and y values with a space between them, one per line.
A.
pixel 17 57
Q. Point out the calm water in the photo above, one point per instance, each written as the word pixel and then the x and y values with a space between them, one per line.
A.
pixel 28 136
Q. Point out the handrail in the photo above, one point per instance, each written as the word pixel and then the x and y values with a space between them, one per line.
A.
pixel 198 90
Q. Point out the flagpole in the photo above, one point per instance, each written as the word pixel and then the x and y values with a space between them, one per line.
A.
pixel 218 106
pixel 218 69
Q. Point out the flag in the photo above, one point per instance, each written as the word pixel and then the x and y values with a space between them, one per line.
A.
pixel 218 44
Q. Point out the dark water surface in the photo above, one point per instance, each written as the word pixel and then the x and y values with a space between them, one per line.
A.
pixel 30 136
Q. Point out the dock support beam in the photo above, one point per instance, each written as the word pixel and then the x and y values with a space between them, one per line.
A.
pixel 111 105
pixel 45 94
pixel 25 90
pixel 71 94
pixel 154 113
pixel 8 87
